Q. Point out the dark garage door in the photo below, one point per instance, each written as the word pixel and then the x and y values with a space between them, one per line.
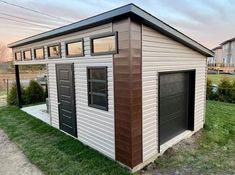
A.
pixel 66 98
pixel 175 93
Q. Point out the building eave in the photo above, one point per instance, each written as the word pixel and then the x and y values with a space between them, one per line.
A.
pixel 121 12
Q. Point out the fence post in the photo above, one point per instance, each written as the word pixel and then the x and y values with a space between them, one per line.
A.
pixel 7 87
pixel 18 86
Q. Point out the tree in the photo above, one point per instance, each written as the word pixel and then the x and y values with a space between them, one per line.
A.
pixel 3 52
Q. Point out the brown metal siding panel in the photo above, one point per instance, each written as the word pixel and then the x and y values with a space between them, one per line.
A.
pixel 128 93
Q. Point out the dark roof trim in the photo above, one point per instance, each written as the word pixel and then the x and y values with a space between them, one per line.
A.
pixel 218 47
pixel 124 11
pixel 229 40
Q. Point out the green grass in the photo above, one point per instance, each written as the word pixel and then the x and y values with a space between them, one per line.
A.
pixel 215 78
pixel 3 93
pixel 214 148
pixel 212 151
pixel 51 150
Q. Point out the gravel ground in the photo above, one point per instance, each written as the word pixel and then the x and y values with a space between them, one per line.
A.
pixel 13 161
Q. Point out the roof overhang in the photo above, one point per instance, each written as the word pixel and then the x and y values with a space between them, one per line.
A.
pixel 227 41
pixel 121 12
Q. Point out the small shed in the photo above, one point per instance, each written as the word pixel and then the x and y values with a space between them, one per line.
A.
pixel 122 82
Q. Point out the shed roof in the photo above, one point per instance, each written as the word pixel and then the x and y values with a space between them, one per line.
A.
pixel 124 11
pixel 229 40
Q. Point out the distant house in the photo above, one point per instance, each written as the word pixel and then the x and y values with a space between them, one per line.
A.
pixel 228 51
pixel 123 82
pixel 217 55
pixel 224 53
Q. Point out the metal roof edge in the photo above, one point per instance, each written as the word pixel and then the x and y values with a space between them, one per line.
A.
pixel 130 9
pixel 170 31
pixel 74 26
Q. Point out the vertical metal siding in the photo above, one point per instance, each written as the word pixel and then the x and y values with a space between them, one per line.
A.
pixel 161 53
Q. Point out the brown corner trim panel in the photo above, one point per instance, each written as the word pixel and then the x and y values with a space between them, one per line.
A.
pixel 127 65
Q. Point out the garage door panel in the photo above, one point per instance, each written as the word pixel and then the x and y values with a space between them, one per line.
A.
pixel 168 131
pixel 173 104
pixel 178 114
pixel 172 88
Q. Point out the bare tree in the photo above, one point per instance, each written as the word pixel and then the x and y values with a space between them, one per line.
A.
pixel 3 52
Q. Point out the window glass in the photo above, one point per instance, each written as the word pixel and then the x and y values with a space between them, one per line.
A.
pixel 97 88
pixel 18 56
pixel 104 44
pixel 54 51
pixel 74 48
pixel 27 55
pixel 99 100
pixel 98 74
pixel 39 53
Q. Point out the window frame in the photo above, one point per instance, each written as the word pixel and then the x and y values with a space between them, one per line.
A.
pixel 34 53
pixel 48 51
pixel 103 35
pixel 106 107
pixel 30 55
pixel 71 42
pixel 16 56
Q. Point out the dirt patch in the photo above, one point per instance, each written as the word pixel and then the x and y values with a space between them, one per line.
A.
pixel 189 143
pixel 13 161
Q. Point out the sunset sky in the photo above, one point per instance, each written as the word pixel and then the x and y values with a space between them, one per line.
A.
pixel 207 21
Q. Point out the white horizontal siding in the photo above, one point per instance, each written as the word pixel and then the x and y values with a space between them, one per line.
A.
pixel 94 127
pixel 52 89
pixel 159 54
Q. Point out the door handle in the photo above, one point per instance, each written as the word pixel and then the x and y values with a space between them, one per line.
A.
pixel 59 103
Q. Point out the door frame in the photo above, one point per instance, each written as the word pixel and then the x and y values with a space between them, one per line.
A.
pixel 191 98
pixel 74 106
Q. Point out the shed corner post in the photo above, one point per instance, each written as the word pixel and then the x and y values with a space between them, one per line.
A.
pixel 17 74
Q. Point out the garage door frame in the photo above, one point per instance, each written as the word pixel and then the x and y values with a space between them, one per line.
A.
pixel 191 99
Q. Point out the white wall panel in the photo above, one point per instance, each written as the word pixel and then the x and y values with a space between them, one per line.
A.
pixel 160 53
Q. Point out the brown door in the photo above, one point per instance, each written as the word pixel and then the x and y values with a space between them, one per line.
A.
pixel 66 98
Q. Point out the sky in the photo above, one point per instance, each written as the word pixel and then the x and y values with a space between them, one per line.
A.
pixel 209 22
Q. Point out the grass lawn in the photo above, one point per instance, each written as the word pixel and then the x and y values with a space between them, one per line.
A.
pixel 52 151
pixel 215 78
pixel 3 93
pixel 211 151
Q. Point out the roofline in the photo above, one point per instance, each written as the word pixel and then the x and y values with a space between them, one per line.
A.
pixel 76 26
pixel 124 11
pixel 218 47
pixel 229 40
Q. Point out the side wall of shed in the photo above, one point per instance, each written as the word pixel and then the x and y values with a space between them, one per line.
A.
pixel 95 127
pixel 161 53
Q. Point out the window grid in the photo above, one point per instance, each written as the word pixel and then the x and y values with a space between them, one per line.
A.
pixel 92 94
